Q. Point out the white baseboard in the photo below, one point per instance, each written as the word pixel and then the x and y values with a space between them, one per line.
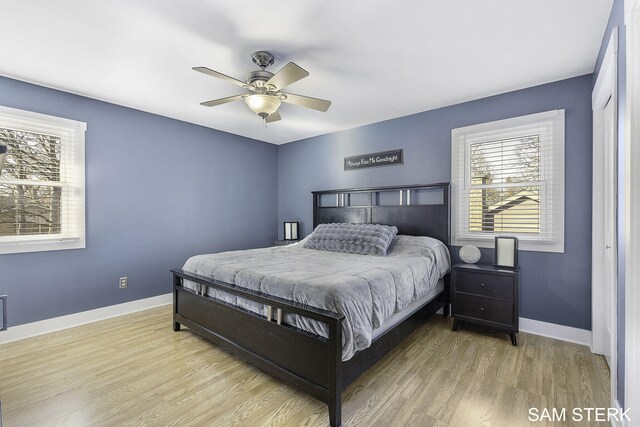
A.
pixel 29 330
pixel 559 332
pixel 15 333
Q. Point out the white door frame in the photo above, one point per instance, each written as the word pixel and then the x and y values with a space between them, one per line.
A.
pixel 604 91
pixel 632 207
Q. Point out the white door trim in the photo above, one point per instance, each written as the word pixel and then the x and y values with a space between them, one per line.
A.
pixel 605 91
pixel 632 207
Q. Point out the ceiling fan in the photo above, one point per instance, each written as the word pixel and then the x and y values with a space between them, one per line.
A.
pixel 265 88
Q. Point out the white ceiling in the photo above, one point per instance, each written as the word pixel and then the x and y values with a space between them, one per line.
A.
pixel 375 60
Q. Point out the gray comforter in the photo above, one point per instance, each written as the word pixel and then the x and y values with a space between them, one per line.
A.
pixel 366 289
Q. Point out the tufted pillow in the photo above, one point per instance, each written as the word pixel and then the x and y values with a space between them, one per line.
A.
pixel 365 239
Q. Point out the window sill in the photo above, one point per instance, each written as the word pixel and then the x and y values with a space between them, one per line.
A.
pixel 523 245
pixel 17 247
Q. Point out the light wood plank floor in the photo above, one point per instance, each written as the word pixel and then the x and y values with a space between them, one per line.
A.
pixel 134 370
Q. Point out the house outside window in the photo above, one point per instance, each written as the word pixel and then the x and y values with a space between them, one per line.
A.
pixel 508 179
pixel 41 182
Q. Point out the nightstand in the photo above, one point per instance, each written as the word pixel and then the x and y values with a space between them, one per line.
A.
pixel 487 296
pixel 284 242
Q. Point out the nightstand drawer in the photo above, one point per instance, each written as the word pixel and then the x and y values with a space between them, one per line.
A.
pixel 485 284
pixel 483 308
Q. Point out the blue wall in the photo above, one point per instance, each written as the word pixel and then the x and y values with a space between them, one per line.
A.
pixel 555 288
pixel 158 191
pixel 616 19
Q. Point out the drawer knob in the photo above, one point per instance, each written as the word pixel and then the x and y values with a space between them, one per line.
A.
pixel 481 308
pixel 482 284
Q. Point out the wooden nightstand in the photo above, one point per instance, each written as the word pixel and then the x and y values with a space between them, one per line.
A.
pixel 487 296
pixel 284 242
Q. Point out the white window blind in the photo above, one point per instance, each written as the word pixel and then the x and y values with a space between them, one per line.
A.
pixel 41 182
pixel 508 179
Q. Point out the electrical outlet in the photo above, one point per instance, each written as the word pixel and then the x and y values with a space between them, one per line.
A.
pixel 123 282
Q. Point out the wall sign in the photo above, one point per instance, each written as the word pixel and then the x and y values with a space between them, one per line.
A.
pixel 384 158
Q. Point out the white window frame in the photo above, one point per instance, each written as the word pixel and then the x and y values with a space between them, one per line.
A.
pixel 70 132
pixel 549 123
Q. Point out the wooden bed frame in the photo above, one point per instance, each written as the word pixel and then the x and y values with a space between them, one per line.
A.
pixel 309 362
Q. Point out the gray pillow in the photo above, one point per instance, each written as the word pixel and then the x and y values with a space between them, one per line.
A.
pixel 365 239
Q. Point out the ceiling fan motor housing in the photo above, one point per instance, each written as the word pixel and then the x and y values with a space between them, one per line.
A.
pixel 259 78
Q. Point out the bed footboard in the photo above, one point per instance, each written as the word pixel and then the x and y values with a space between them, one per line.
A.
pixel 309 362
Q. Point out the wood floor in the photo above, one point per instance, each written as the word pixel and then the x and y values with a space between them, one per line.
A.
pixel 134 370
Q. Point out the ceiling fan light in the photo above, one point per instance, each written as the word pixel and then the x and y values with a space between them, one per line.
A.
pixel 263 105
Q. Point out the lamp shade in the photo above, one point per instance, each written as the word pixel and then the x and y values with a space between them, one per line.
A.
pixel 262 105
pixel 290 231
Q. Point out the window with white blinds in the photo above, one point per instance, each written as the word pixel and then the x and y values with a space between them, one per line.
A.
pixel 41 182
pixel 508 179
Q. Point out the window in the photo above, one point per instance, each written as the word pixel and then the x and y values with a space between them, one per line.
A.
pixel 508 179
pixel 41 182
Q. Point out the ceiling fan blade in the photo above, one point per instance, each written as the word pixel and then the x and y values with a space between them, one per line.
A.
pixel 273 117
pixel 307 101
pixel 210 72
pixel 290 73
pixel 220 101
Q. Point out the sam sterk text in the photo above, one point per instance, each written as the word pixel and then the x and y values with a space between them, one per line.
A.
pixel 579 414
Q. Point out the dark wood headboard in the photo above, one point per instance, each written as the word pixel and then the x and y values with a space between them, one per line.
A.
pixel 414 219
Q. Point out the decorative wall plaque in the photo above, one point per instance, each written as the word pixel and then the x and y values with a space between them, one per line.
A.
pixel 384 158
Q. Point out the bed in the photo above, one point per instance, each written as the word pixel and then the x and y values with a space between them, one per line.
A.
pixel 309 346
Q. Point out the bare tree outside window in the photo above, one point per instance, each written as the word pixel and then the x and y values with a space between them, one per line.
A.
pixel 30 191
pixel 3 155
pixel 505 186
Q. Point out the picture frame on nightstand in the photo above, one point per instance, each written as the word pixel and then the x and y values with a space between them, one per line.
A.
pixel 506 252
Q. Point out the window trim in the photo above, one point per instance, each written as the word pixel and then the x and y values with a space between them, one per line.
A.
pixel 502 129
pixel 68 130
